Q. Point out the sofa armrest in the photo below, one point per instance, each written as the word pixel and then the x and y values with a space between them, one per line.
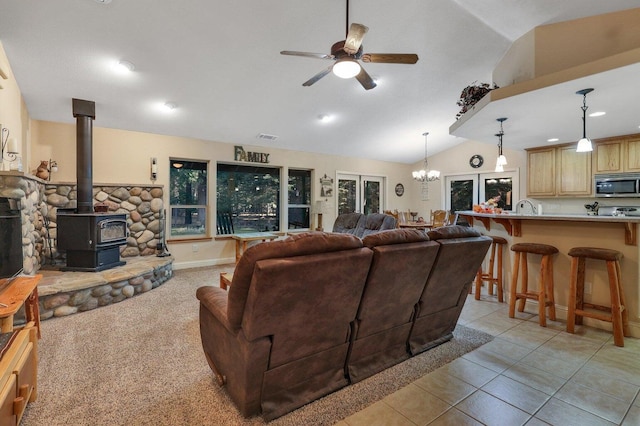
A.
pixel 215 300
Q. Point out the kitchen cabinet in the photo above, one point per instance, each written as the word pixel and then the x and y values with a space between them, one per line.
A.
pixel 617 155
pixel 608 157
pixel 632 157
pixel 573 171
pixel 558 171
pixel 541 180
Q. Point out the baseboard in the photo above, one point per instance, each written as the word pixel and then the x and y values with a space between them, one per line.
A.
pixel 202 263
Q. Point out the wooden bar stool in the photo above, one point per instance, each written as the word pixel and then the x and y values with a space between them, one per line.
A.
pixel 616 313
pixel 492 276
pixel 544 295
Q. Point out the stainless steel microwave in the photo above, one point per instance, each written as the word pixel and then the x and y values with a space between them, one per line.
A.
pixel 617 185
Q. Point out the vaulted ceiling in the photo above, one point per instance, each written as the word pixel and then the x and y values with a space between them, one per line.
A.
pixel 220 63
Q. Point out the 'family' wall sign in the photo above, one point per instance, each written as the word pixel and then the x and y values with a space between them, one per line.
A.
pixel 239 154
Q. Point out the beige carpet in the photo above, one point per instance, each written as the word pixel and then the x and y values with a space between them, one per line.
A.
pixel 140 362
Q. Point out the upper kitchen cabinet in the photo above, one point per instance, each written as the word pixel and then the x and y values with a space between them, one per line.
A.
pixel 541 172
pixel 632 157
pixel 573 172
pixel 616 155
pixel 558 171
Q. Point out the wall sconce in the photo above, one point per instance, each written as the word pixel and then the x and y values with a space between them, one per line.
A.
pixel 154 168
pixel 8 147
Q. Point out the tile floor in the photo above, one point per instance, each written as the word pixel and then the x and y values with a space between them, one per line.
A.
pixel 527 375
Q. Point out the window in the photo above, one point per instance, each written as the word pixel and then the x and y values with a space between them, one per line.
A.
pixel 299 189
pixel 249 196
pixel 361 194
pixel 188 198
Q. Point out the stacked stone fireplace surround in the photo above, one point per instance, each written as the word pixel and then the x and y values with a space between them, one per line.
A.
pixel 39 201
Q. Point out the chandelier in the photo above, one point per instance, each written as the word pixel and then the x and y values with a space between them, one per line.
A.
pixel 426 175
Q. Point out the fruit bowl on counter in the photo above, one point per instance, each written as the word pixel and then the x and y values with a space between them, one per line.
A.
pixel 486 208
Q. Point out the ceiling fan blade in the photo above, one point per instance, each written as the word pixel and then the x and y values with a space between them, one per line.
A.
pixel 391 58
pixel 317 76
pixel 354 38
pixel 307 54
pixel 365 79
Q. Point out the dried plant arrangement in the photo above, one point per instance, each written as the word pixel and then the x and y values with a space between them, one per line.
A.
pixel 471 95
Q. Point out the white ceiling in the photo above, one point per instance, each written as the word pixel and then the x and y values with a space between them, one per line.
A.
pixel 219 61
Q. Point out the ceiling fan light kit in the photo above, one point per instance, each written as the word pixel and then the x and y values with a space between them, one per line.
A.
pixel 346 68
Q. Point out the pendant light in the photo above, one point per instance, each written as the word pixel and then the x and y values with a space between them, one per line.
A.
pixel 584 144
pixel 426 175
pixel 502 160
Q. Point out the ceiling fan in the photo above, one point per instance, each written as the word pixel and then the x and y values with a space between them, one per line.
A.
pixel 346 53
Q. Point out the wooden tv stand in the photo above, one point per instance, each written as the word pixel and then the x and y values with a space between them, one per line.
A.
pixel 18 348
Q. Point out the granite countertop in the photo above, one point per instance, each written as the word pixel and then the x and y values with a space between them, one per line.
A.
pixel 555 216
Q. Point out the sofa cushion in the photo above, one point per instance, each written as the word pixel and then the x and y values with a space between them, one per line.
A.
pixel 347 223
pixel 375 222
pixel 394 236
pixel 295 245
pixel 453 231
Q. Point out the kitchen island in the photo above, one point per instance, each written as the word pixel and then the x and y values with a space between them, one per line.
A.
pixel 566 231
pixel 512 222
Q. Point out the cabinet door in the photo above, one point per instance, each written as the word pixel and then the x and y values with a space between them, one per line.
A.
pixel 608 157
pixel 574 171
pixel 632 157
pixel 541 177
pixel 8 394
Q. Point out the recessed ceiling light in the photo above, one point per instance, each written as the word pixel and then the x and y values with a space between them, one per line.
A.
pixel 553 140
pixel 324 118
pixel 103 1
pixel 170 106
pixel 124 67
pixel 597 114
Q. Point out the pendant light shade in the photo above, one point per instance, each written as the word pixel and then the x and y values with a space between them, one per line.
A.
pixel 502 160
pixel 584 144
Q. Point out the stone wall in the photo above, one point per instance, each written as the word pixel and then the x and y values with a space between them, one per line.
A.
pixel 40 200
pixel 28 192
pixel 143 206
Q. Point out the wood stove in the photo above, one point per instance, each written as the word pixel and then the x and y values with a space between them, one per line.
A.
pixel 92 240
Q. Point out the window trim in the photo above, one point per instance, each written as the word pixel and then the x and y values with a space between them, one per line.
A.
pixel 206 207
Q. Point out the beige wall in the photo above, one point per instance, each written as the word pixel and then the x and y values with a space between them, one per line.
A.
pixel 455 161
pixel 556 47
pixel 122 156
pixel 13 111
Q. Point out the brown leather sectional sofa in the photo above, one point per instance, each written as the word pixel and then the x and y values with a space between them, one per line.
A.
pixel 361 225
pixel 308 315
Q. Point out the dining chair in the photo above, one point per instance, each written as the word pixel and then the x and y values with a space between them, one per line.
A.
pixel 438 218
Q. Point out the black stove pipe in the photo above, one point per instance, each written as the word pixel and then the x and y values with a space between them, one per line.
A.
pixel 85 113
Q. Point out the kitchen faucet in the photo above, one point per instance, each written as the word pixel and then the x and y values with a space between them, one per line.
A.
pixel 520 204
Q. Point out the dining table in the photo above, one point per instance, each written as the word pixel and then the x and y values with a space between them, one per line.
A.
pixel 416 225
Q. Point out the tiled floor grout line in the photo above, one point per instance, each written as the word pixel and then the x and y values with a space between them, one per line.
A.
pixel 584 364
pixel 567 381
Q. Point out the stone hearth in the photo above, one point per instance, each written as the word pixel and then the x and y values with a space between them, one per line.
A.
pixel 67 293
